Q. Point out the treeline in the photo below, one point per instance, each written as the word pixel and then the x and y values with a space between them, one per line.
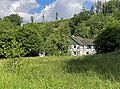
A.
pixel 89 24
pixel 53 37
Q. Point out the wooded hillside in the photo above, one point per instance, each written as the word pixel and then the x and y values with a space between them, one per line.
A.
pixel 52 37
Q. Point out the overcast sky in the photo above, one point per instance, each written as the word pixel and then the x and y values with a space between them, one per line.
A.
pixel 36 8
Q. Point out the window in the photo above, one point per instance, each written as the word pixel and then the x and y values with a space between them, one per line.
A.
pixel 74 46
pixel 88 47
pixel 87 52
pixel 74 52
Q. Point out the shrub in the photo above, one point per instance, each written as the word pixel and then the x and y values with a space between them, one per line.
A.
pixel 9 47
pixel 31 41
pixel 109 39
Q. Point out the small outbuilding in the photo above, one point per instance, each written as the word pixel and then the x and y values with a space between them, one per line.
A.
pixel 41 54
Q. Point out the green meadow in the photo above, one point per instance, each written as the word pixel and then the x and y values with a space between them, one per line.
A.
pixel 62 72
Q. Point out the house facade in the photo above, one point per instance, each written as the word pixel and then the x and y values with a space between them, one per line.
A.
pixel 80 46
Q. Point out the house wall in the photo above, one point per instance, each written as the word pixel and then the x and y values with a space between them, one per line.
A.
pixel 79 50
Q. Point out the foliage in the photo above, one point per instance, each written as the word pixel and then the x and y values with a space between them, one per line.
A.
pixel 30 39
pixel 58 40
pixel 57 44
pixel 89 24
pixel 96 24
pixel 109 39
pixel 6 25
pixel 78 18
pixel 52 37
pixel 82 30
pixel 14 18
pixel 9 47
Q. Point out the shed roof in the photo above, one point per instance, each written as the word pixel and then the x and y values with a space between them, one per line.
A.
pixel 82 41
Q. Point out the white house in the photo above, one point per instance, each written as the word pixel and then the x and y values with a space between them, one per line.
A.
pixel 80 46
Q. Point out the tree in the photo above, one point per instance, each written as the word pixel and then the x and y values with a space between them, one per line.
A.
pixel 6 25
pixel 9 47
pixel 58 40
pixel 77 19
pixel 30 39
pixel 96 25
pixel 58 44
pixel 92 10
pixel 32 19
pixel 111 6
pixel 98 7
pixel 56 15
pixel 14 18
pixel 43 18
pixel 109 39
pixel 82 30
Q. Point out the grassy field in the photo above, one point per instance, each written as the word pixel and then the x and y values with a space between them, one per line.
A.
pixel 90 72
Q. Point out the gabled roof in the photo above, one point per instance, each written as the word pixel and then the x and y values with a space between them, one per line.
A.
pixel 82 41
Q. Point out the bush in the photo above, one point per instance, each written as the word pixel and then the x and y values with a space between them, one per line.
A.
pixel 109 39
pixel 31 41
pixel 9 47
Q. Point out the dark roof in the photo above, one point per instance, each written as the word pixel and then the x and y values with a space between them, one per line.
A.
pixel 82 41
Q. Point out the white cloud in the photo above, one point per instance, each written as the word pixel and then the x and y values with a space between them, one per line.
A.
pixel 26 8
pixel 65 8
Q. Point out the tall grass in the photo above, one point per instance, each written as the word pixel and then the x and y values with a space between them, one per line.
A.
pixel 90 72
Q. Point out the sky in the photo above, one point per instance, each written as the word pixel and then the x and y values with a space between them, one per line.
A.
pixel 36 8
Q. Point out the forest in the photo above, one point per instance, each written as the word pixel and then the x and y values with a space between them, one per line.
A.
pixel 101 23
